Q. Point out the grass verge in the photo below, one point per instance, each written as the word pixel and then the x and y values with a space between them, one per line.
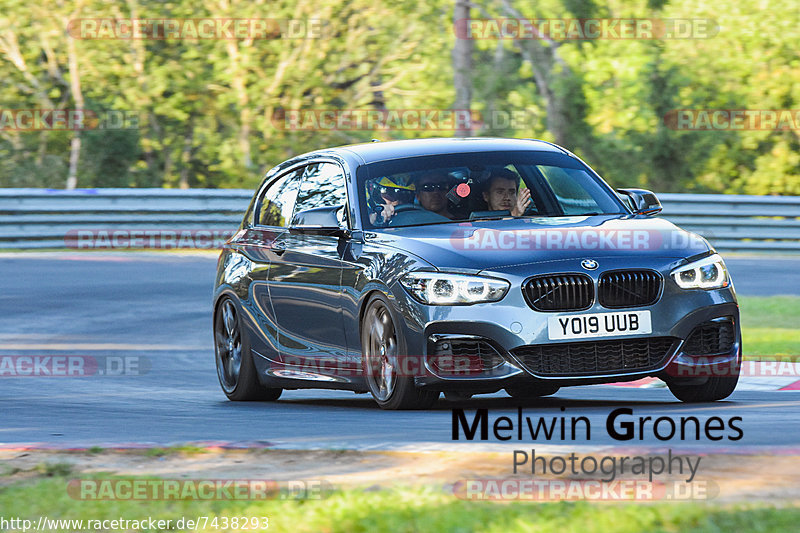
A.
pixel 408 510
pixel 770 326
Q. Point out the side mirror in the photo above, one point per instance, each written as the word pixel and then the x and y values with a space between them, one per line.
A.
pixel 321 220
pixel 641 201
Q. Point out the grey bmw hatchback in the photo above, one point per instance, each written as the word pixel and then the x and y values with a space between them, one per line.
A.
pixel 408 269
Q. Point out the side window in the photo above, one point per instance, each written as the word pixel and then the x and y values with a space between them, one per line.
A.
pixel 573 191
pixel 275 207
pixel 322 186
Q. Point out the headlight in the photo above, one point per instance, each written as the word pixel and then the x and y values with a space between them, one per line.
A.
pixel 437 288
pixel 707 273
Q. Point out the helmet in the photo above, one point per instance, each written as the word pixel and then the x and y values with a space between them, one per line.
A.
pixel 393 188
pixel 396 183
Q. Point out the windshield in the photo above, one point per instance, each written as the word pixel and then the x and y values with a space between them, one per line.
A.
pixel 480 185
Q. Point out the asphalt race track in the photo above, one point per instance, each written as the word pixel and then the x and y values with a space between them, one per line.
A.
pixel 154 309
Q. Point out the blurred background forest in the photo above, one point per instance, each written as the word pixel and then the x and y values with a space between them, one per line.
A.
pixel 206 107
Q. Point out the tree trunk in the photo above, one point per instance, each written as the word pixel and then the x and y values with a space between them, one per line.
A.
pixel 77 98
pixel 240 86
pixel 186 155
pixel 542 54
pixel 150 130
pixel 462 73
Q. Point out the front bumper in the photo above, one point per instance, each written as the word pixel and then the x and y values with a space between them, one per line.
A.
pixel 514 331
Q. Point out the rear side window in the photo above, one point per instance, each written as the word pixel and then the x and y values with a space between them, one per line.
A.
pixel 276 205
pixel 322 186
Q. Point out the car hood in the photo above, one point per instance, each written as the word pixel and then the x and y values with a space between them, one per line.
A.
pixel 494 244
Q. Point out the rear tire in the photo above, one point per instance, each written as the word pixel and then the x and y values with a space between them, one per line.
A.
pixel 382 346
pixel 235 369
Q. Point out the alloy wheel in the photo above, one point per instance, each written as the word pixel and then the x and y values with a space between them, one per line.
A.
pixel 228 341
pixel 381 353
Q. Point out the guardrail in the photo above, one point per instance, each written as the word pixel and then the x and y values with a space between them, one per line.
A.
pixel 738 223
pixel 50 218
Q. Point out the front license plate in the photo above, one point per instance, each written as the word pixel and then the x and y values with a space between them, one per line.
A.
pixel 599 325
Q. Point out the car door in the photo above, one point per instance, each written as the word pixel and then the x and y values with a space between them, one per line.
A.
pixel 305 278
pixel 272 214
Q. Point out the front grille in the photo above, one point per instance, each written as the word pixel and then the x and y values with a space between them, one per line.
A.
pixel 711 338
pixel 561 292
pixel 458 356
pixel 595 357
pixel 629 288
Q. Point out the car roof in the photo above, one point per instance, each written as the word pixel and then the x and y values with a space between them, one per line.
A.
pixel 381 151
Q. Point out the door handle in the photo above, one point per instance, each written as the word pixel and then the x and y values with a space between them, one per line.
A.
pixel 278 248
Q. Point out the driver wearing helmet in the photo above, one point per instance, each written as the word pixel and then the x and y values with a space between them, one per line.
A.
pixel 385 196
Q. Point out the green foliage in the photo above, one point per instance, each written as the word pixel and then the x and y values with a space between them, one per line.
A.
pixel 209 109
pixel 172 450
pixel 54 469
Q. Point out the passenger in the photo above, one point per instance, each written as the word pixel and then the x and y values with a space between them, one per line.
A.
pixel 501 193
pixel 432 193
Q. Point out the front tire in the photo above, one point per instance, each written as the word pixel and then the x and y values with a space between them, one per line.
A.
pixel 235 368
pixel 715 388
pixel 383 346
